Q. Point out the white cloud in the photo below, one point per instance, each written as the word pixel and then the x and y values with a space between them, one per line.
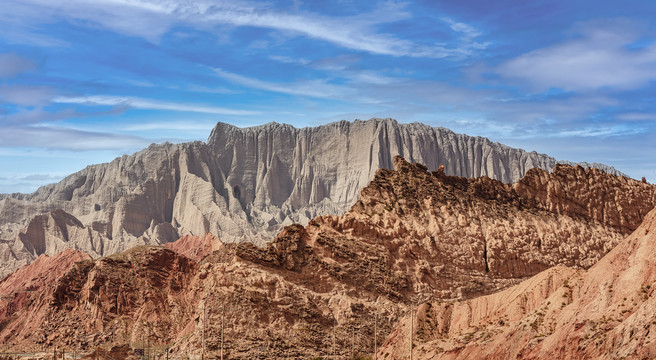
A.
pixel 469 33
pixel 41 177
pixel 149 104
pixel 289 60
pixel 600 58
pixel 600 131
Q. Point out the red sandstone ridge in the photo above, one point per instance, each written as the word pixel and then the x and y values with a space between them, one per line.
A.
pixel 606 312
pixel 195 247
pixel 587 193
pixel 413 231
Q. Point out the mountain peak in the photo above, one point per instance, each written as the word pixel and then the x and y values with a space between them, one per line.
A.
pixel 244 184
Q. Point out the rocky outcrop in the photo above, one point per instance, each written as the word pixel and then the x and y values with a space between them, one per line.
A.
pixel 606 312
pixel 458 237
pixel 243 184
pixel 39 274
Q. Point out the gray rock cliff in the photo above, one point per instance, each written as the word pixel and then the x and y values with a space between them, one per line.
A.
pixel 244 184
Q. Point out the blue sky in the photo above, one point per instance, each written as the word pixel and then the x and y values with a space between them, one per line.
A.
pixel 84 81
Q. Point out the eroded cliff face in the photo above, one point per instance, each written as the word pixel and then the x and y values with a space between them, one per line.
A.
pixel 413 235
pixel 606 312
pixel 243 184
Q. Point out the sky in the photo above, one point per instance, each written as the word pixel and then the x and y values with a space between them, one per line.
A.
pixel 85 81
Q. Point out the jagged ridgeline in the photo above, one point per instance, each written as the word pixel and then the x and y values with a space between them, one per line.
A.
pixel 243 184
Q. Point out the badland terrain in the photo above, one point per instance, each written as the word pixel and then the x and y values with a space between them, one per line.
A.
pixel 382 237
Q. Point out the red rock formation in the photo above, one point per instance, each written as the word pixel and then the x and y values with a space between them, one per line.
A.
pixel 606 312
pixel 587 193
pixel 414 232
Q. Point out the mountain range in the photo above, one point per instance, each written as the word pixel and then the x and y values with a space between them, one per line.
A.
pixel 243 184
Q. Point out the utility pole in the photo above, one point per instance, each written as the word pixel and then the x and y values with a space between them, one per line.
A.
pixel 222 328
pixel 375 335
pixel 353 341
pixel 203 353
pixel 334 347
pixel 412 329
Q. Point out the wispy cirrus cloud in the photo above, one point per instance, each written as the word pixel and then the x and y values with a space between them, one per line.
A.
pixel 290 60
pixel 204 126
pixel 150 19
pixel 318 88
pixel 41 177
pixel 37 115
pixel 150 104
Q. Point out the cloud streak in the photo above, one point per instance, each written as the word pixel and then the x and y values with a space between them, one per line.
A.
pixel 317 88
pixel 52 137
pixel 149 104
pixel 600 58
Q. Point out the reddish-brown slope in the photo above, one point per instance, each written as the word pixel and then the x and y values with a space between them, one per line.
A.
pixel 17 288
pixel 195 247
pixel 96 301
pixel 606 312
